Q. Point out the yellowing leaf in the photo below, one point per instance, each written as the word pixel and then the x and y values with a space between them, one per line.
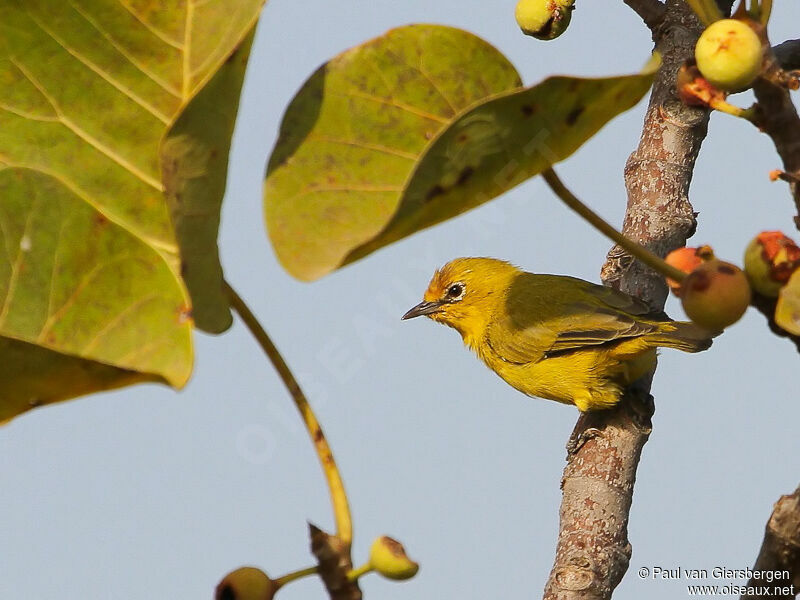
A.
pixel 91 295
pixel 355 130
pixel 500 143
pixel 375 146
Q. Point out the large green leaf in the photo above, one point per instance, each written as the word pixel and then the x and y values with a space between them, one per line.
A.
pixel 91 296
pixel 374 147
pixel 355 130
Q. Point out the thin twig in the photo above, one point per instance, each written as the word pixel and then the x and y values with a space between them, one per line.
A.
pixel 295 575
pixel 341 510
pixel 651 11
pixel 633 248
pixel 778 118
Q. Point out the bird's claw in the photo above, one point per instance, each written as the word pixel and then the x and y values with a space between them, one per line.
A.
pixel 577 440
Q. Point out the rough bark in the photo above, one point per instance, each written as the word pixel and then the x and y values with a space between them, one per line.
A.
pixel 334 562
pixel 593 551
pixel 780 550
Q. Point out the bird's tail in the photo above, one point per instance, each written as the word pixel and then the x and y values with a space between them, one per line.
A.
pixel 685 336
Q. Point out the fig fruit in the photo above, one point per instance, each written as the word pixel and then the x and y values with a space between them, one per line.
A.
pixel 684 259
pixel 729 54
pixel 715 294
pixel 544 19
pixel 770 259
pixel 246 583
pixel 388 557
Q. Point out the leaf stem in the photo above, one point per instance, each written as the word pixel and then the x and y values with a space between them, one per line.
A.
pixel 633 248
pixel 760 11
pixel 360 571
pixel 295 575
pixel 706 10
pixel 341 510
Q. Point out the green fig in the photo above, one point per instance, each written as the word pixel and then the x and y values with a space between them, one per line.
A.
pixel 769 261
pixel 729 54
pixel 544 19
pixel 388 557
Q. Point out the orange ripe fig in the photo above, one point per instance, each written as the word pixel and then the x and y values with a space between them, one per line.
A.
pixel 715 294
pixel 684 259
pixel 769 261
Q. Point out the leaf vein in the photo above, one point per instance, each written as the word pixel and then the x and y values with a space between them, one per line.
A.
pixel 117 85
pixel 157 244
pixel 87 278
pixel 116 321
pixel 16 267
pixel 427 78
pixel 187 49
pixel 27 115
pixel 366 146
pixel 344 188
pixel 150 27
pixel 86 137
pixel 144 349
pixel 127 55
pixel 392 102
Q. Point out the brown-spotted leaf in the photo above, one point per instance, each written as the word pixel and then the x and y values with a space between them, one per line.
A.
pixel 501 142
pixel 371 150
pixel 356 129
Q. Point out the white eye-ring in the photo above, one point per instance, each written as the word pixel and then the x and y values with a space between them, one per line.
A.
pixel 455 291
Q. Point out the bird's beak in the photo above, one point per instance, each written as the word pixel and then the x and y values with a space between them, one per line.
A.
pixel 423 308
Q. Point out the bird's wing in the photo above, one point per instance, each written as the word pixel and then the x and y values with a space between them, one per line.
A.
pixel 537 322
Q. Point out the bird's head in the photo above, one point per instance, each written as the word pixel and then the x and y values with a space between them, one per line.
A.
pixel 465 293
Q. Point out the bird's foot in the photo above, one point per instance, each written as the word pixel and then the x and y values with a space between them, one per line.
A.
pixel 579 438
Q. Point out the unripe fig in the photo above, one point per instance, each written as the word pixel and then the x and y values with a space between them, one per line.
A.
pixel 246 583
pixel 769 261
pixel 388 557
pixel 715 295
pixel 544 19
pixel 729 54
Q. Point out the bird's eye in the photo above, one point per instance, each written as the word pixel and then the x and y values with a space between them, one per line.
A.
pixel 455 290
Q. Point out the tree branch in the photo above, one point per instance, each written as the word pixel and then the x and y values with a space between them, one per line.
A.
pixel 651 11
pixel 777 117
pixel 332 551
pixel 593 551
pixel 780 550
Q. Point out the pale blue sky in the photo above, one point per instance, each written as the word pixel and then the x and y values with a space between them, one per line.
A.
pixel 148 493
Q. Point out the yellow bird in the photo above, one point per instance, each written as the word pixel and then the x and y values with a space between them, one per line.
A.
pixel 552 336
